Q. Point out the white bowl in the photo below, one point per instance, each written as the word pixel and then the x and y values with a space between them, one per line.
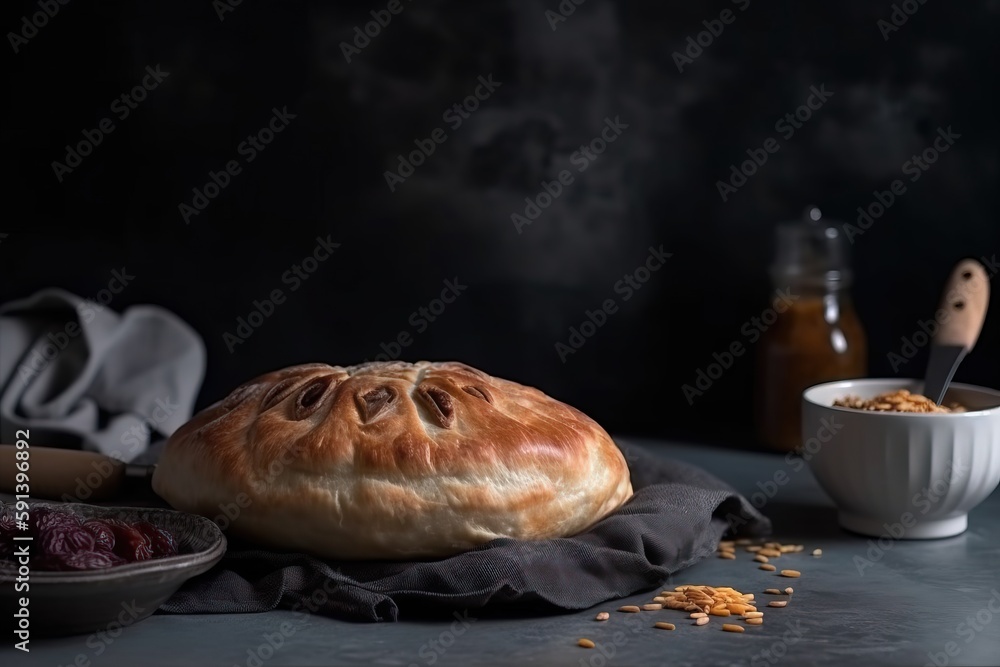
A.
pixel 902 475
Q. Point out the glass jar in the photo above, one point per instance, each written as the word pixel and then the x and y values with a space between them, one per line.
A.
pixel 818 337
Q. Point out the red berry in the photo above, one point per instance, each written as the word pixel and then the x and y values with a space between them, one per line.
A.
pixel 103 535
pixel 130 544
pixel 162 543
pixel 7 532
pixel 42 520
pixel 65 540
pixel 144 527
pixel 112 556
pixel 79 539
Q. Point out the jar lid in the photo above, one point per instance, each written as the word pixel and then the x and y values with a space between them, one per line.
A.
pixel 811 251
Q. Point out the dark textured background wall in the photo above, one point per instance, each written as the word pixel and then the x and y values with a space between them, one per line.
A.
pixel 656 184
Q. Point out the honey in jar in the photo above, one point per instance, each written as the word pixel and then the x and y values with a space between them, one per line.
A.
pixel 818 337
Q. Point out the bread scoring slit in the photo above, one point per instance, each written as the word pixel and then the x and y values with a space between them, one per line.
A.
pixel 479 392
pixel 278 393
pixel 372 403
pixel 239 395
pixel 439 403
pixel 311 397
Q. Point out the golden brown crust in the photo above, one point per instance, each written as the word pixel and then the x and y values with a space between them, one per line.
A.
pixel 392 460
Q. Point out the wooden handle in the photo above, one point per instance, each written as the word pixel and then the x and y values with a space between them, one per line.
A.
pixel 62 474
pixel 963 306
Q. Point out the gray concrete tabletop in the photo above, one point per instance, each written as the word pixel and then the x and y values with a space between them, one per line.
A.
pixel 862 602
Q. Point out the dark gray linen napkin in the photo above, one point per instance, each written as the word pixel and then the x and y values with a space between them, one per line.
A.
pixel 676 518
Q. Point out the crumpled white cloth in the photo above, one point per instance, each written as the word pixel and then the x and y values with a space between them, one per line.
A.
pixel 78 374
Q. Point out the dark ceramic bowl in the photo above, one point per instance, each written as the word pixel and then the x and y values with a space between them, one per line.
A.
pixel 69 603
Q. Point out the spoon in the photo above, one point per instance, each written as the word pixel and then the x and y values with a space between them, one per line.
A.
pixel 960 319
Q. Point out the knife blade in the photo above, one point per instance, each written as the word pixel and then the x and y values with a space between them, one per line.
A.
pixel 941 367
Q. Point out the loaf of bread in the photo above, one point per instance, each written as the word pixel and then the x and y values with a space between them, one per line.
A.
pixel 392 461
